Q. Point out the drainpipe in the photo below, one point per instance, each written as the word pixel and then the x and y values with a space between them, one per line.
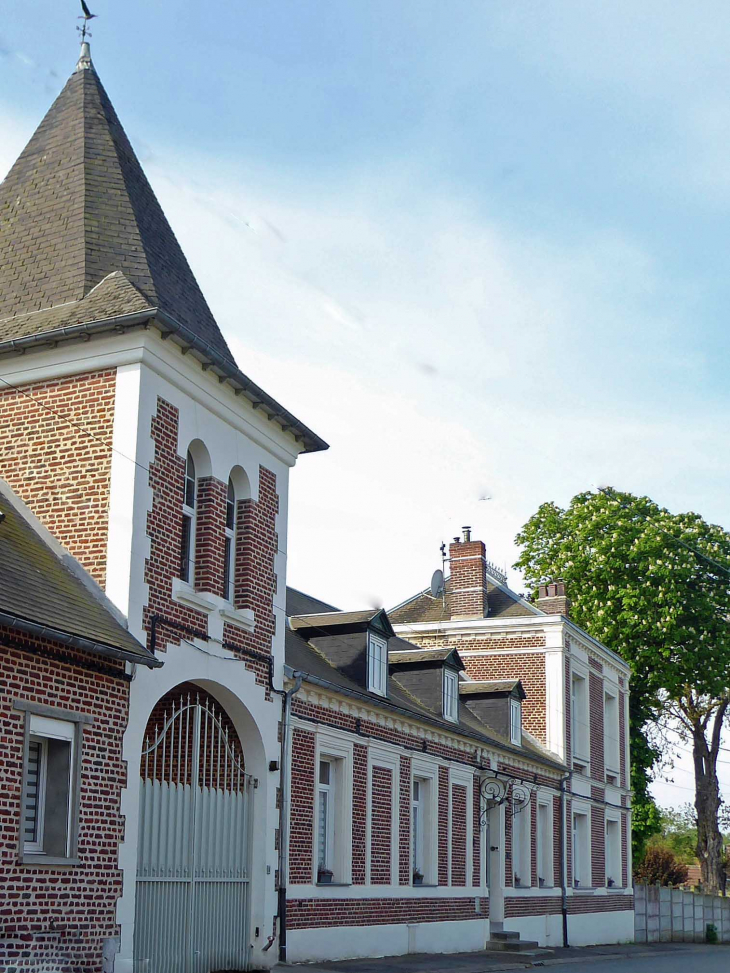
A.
pixel 563 855
pixel 284 810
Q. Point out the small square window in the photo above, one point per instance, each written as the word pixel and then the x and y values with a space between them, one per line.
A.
pixel 515 722
pixel 451 695
pixel 49 788
pixel 377 665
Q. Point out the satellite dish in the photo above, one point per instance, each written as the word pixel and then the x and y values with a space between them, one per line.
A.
pixel 437 583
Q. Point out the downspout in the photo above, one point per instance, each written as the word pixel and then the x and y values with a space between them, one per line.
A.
pixel 284 810
pixel 563 855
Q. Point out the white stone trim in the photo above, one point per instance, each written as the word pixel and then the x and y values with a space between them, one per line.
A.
pixel 329 743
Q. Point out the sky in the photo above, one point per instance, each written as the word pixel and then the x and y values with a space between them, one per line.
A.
pixel 480 247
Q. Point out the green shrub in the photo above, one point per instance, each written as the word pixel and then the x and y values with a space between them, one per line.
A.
pixel 661 866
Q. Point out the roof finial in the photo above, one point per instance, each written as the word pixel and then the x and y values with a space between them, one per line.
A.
pixel 84 62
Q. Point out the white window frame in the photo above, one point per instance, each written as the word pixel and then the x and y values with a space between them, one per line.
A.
pixel 418 810
pixel 582 864
pixel 187 568
pixel 522 842
pixel 44 723
pixel 614 868
pixel 515 721
pixel 580 718
pixel 229 567
pixel 545 846
pixel 377 651
pixel 450 693
pixel 427 774
pixel 339 752
pixel 327 792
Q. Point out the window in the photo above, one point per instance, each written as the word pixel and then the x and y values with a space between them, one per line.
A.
pixel 515 722
pixel 521 850
pixel 451 695
pixel 417 831
pixel 581 851
pixel 230 544
pixel 187 544
pixel 377 664
pixel 49 788
pixel 326 821
pixel 544 844
pixel 613 853
pixel 611 741
pixel 579 718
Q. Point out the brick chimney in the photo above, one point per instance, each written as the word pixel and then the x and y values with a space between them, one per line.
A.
pixel 468 581
pixel 552 599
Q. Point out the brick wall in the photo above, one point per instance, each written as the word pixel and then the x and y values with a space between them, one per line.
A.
pixel 301 826
pixel 256 545
pixel 359 812
pixel 58 917
pixel 56 455
pixel 468 581
pixel 458 834
pixel 598 846
pixel 476 835
pixel 322 913
pixel 443 826
pixel 381 827
pixel 595 704
pixel 404 822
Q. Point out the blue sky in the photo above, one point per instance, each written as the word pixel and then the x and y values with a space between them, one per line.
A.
pixel 479 246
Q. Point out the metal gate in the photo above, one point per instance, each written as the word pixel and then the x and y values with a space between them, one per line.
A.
pixel 192 876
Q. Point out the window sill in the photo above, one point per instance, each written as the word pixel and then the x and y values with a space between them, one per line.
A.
pixel 240 617
pixel 207 602
pixel 187 595
pixel 332 885
pixel 29 858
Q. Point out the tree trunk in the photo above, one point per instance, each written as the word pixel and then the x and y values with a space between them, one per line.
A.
pixel 707 801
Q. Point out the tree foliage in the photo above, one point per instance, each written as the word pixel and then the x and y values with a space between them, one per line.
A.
pixel 637 585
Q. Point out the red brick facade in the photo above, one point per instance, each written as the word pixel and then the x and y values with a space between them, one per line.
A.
pixel 58 917
pixel 381 829
pixel 55 443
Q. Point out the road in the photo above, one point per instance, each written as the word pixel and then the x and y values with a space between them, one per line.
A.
pixel 698 960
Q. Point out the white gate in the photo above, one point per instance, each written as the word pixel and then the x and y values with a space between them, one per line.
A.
pixel 192 877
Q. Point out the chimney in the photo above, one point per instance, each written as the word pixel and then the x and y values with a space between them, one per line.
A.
pixel 468 581
pixel 552 599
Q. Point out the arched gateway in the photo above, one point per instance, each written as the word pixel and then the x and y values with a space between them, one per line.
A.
pixel 194 833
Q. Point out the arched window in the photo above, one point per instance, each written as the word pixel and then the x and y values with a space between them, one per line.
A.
pixel 230 549
pixel 187 545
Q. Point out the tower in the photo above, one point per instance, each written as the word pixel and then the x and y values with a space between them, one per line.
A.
pixel 128 429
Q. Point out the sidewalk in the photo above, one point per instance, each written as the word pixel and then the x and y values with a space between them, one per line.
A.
pixel 489 962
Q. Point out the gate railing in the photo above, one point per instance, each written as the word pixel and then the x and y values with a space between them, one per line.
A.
pixel 193 844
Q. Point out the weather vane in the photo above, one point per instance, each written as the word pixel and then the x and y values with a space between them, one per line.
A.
pixel 86 17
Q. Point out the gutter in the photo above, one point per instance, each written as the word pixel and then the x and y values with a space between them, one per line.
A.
pixel 168 325
pixel 425 718
pixel 76 641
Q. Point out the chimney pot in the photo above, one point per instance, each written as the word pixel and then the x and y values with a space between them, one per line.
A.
pixel 552 598
pixel 467 534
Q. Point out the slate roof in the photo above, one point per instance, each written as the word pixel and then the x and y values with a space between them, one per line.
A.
pixel 423 607
pixel 483 686
pixel 76 207
pixel 86 248
pixel 302 656
pixel 37 587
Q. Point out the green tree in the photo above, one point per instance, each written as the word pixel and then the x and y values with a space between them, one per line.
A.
pixel 638 585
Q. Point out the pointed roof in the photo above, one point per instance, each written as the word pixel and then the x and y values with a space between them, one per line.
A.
pixel 77 207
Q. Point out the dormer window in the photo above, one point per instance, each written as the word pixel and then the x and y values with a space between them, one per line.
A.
pixel 515 722
pixel 377 664
pixel 187 541
pixel 451 695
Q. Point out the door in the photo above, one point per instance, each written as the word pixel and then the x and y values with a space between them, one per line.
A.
pixel 193 842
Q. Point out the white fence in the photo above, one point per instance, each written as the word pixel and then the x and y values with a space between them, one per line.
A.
pixel 671 915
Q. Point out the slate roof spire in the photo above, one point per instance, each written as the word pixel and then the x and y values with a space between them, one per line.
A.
pixel 82 235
